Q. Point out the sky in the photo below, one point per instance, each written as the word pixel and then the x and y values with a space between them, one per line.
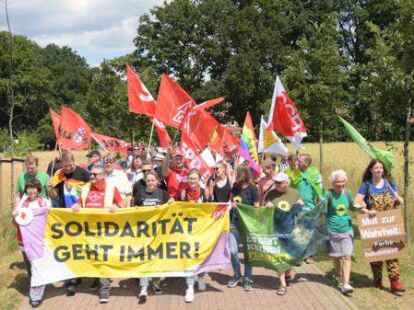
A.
pixel 95 29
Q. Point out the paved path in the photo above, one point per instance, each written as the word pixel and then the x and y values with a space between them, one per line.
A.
pixel 314 293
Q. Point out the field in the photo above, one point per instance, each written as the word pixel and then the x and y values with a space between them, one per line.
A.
pixel 346 156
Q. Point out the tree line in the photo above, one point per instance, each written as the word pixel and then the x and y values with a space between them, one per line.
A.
pixel 348 57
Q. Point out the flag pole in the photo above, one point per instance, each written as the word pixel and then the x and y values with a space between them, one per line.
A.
pixel 150 137
pixel 54 159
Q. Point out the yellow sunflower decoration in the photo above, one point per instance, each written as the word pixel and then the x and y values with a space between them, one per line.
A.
pixel 341 210
pixel 284 205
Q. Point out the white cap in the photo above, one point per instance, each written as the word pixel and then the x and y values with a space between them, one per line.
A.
pixel 281 177
pixel 159 156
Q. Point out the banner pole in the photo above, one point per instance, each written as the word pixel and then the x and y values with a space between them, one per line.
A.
pixel 150 137
pixel 54 159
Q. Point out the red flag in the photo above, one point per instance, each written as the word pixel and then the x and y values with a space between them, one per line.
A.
pixel 200 127
pixel 74 131
pixel 284 116
pixel 192 157
pixel 111 144
pixel 163 136
pixel 208 104
pixel 140 100
pixel 55 122
pixel 173 103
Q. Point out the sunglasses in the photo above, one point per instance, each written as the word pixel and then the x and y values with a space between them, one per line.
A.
pixel 95 174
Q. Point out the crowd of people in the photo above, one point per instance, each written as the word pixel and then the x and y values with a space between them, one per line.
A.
pixel 160 176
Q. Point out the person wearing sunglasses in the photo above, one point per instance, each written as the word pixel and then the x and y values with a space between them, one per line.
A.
pixel 140 186
pixel 99 193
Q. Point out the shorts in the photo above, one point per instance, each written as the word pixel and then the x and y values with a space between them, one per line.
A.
pixel 340 244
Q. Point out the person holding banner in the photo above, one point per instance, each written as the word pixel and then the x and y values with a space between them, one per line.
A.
pixel 193 193
pixel 65 186
pixel 378 193
pixel 339 226
pixel 99 194
pixel 309 186
pixel 30 205
pixel 287 204
pixel 244 191
pixel 149 196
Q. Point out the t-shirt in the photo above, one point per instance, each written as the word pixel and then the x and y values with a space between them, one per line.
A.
pixel 155 198
pixel 96 195
pixel 379 199
pixel 222 194
pixel 69 185
pixel 339 219
pixel 286 209
pixel 248 196
pixel 176 182
pixel 41 176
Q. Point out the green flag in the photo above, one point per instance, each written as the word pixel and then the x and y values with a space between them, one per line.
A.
pixel 387 157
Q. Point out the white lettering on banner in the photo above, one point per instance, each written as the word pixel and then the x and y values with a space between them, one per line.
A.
pixel 387 251
pixel 182 110
pixel 369 221
pixel 381 232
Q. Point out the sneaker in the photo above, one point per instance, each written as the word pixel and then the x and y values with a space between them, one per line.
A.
pixel 247 285
pixel 142 299
pixel 35 303
pixel 156 287
pixel 202 286
pixel 70 290
pixel 103 297
pixel 397 287
pixel 346 289
pixel 234 282
pixel 189 295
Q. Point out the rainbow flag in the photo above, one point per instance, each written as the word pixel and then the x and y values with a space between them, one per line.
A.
pixel 248 142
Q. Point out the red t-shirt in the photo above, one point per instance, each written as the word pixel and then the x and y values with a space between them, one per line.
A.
pixel 96 195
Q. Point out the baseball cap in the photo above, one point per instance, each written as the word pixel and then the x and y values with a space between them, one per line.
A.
pixel 281 177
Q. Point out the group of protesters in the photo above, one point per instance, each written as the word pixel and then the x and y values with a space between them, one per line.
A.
pixel 158 176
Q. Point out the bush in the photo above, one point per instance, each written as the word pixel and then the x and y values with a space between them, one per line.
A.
pixel 25 143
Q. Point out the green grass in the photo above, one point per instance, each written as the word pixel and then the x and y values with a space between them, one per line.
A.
pixel 367 297
pixel 13 280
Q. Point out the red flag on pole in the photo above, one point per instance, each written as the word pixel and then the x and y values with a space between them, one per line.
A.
pixel 208 104
pixel 74 131
pixel 284 116
pixel 200 127
pixel 163 136
pixel 55 122
pixel 111 144
pixel 140 100
pixel 173 103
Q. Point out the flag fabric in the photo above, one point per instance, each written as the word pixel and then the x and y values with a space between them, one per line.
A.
pixel 140 100
pixel 55 122
pixel 173 103
pixel 248 142
pixel 105 244
pixel 269 142
pixel 193 159
pixel 111 144
pixel 164 139
pixel 201 127
pixel 75 133
pixel 208 104
pixel 267 245
pixel 284 116
pixel 387 157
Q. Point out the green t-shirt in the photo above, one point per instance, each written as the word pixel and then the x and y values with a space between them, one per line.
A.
pixel 339 219
pixel 24 177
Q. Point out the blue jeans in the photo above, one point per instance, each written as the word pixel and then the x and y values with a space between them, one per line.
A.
pixel 234 251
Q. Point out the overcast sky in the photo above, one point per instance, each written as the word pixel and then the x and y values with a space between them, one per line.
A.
pixel 96 29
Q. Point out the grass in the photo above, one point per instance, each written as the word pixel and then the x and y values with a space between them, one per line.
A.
pixel 346 156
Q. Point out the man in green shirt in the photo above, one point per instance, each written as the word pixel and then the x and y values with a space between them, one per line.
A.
pixel 31 166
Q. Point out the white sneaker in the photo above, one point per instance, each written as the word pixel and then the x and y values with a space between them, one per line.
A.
pixel 189 295
pixel 346 289
pixel 202 286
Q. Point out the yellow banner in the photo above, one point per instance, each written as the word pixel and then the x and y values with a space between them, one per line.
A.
pixel 178 239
